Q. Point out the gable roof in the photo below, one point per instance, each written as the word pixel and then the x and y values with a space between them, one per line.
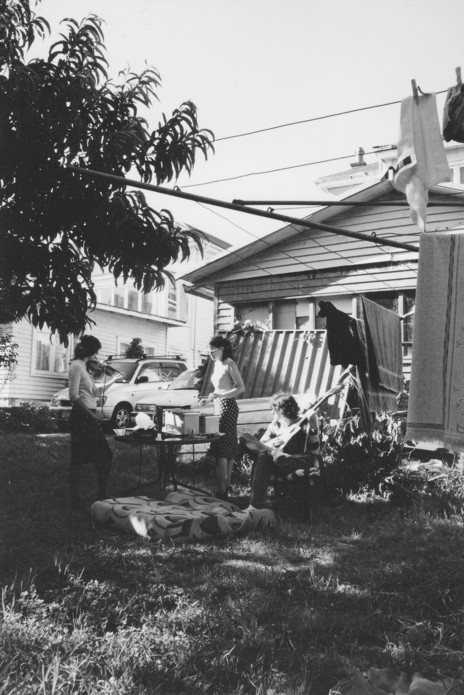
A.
pixel 336 250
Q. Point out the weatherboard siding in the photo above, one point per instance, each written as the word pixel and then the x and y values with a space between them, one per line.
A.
pixel 111 328
pixel 27 386
pixel 318 250
pixel 354 280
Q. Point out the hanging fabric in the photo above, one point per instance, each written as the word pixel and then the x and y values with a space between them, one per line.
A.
pixel 436 398
pixel 372 343
pixel 422 159
pixel 453 114
pixel 380 333
pixel 342 337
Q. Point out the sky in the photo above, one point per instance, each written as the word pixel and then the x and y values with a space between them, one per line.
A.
pixel 255 64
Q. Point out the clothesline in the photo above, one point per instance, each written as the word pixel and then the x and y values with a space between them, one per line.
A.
pixel 373 239
pixel 329 203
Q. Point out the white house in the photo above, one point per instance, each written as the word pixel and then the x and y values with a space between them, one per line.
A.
pixel 169 321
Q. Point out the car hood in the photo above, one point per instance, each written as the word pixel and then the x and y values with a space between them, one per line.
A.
pixel 170 396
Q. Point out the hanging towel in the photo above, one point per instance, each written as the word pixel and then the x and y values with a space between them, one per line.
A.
pixel 380 333
pixel 436 398
pixel 421 155
pixel 453 114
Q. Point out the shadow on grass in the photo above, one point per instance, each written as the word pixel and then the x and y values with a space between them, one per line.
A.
pixel 368 582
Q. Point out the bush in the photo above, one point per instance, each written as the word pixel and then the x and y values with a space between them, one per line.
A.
pixel 354 459
pixel 26 418
pixel 441 492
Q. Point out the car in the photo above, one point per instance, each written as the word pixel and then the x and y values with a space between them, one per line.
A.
pixel 183 392
pixel 121 383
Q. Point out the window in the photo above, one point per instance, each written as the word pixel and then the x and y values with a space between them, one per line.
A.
pixel 104 295
pixel 409 302
pixel 146 304
pixel 119 298
pixel 151 371
pixel 133 300
pixel 172 299
pixel 169 371
pixel 49 356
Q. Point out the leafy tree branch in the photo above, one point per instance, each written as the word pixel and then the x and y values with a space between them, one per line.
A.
pixel 57 225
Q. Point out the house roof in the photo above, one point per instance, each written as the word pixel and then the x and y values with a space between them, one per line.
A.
pixel 213 239
pixel 210 272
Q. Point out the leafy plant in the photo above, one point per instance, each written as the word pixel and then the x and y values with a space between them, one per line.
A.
pixel 8 358
pixel 58 224
pixel 135 348
pixel 26 418
pixel 355 459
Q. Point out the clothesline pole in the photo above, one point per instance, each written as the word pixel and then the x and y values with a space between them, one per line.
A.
pixel 329 203
pixel 373 239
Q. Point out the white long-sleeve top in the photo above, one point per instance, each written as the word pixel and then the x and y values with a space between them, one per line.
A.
pixel 81 385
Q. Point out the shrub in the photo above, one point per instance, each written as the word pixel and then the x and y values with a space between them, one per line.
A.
pixel 441 492
pixel 355 459
pixel 27 418
pixel 135 348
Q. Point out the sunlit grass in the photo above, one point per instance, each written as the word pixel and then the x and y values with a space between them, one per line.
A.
pixel 85 610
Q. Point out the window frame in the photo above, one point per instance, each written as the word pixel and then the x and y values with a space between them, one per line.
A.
pixel 55 347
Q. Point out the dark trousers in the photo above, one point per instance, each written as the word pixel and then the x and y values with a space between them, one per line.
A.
pixel 88 445
pixel 267 464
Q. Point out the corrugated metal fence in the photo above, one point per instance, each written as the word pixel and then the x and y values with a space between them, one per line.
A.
pixel 296 361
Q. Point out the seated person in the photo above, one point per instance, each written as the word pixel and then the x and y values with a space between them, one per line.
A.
pixel 286 446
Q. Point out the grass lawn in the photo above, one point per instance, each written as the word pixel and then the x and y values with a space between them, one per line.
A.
pixel 372 582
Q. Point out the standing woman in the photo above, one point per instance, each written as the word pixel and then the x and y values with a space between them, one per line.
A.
pixel 88 443
pixel 228 384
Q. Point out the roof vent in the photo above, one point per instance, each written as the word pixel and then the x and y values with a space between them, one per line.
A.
pixel 360 161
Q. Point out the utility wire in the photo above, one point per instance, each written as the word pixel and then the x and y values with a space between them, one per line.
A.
pixel 286 125
pixel 272 171
pixel 315 118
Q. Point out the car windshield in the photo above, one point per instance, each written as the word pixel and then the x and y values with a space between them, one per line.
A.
pixel 124 367
pixel 186 380
pixel 101 375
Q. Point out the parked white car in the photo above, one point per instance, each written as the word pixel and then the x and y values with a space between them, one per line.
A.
pixel 121 384
pixel 183 392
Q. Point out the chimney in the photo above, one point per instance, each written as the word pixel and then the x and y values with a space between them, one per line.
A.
pixel 360 161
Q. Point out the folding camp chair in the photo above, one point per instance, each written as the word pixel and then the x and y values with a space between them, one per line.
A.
pixel 300 490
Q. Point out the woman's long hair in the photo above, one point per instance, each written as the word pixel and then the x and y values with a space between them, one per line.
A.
pixel 219 342
pixel 286 404
pixel 87 346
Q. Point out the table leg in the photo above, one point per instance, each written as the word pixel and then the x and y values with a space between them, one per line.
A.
pixel 175 481
pixel 140 462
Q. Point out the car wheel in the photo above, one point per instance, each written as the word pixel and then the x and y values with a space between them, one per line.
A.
pixel 121 415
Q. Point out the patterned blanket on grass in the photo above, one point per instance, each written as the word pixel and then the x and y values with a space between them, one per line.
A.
pixel 181 517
